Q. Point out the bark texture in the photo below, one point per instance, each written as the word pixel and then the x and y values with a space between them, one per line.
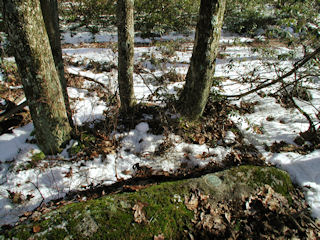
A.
pixel 41 83
pixel 50 14
pixel 199 78
pixel 126 53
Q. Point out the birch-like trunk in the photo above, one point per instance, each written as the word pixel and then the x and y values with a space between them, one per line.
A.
pixel 199 78
pixel 126 53
pixel 41 83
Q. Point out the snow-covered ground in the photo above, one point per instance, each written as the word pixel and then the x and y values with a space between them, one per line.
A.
pixel 52 178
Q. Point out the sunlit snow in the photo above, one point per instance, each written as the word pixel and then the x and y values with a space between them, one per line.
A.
pixel 50 180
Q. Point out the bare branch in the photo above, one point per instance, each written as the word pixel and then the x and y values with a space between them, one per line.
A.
pixel 8 114
pixel 297 65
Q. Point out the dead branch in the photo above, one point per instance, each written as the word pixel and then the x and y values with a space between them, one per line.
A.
pixel 297 65
pixel 306 115
pixel 92 80
pixel 9 113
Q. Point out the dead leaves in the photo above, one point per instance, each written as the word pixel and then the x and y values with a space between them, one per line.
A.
pixel 264 214
pixel 191 202
pixel 142 171
pixel 107 146
pixel 68 174
pixel 213 127
pixel 283 146
pixel 18 197
pixel 272 214
pixel 205 155
pixel 268 199
pixel 139 213
pixel 15 197
pixel 36 228
pixel 207 216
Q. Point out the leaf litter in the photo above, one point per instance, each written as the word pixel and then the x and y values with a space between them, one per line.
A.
pixel 211 130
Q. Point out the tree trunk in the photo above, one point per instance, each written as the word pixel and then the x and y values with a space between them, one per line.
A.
pixel 51 19
pixel 126 53
pixel 41 83
pixel 199 78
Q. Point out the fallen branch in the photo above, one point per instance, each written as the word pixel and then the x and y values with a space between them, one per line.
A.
pixel 297 65
pixel 92 80
pixel 12 111
pixel 312 128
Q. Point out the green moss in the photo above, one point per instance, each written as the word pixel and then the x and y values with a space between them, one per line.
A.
pixel 75 149
pixel 38 157
pixel 255 176
pixel 112 216
pixel 115 218
pixel 86 140
pixel 35 159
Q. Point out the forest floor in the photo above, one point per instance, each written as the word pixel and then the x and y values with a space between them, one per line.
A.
pixel 262 128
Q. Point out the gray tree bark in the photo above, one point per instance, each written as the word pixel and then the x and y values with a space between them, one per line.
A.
pixel 50 14
pixel 199 79
pixel 41 83
pixel 126 53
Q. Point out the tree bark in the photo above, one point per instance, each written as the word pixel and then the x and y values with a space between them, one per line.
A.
pixel 50 14
pixel 126 53
pixel 199 78
pixel 41 83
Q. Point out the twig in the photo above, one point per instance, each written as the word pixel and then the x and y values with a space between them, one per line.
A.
pixel 311 125
pixel 145 83
pixel 92 80
pixel 39 193
pixel 8 114
pixel 297 65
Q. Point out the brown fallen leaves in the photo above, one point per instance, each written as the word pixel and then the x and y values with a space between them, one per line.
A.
pixel 139 213
pixel 18 197
pixel 36 228
pixel 268 198
pixel 265 214
pixel 208 217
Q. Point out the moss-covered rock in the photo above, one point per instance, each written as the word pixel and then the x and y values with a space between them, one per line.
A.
pixel 159 209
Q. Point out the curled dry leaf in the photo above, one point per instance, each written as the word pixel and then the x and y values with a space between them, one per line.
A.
pixel 139 213
pixel 36 216
pixel 36 228
pixel 191 202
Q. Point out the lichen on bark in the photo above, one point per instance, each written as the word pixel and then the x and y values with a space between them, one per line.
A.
pixel 50 15
pixel 199 78
pixel 125 23
pixel 41 83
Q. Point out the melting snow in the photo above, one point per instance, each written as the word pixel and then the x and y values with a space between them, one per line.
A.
pixel 51 179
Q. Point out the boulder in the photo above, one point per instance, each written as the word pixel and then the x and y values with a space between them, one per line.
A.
pixel 215 205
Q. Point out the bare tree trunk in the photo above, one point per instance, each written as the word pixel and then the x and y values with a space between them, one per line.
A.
pixel 199 78
pixel 50 14
pixel 41 83
pixel 126 53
